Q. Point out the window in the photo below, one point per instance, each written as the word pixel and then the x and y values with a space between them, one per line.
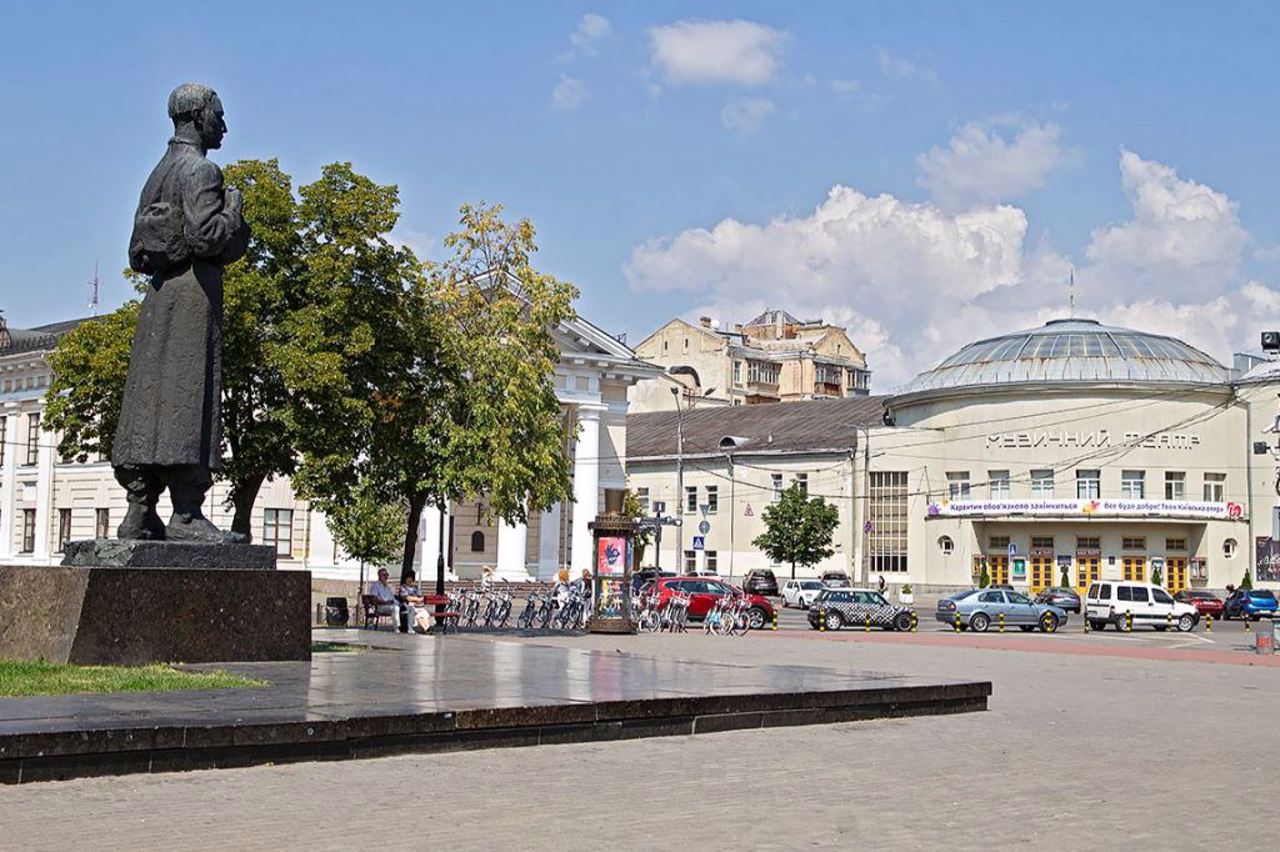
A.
pixel 991 597
pixel 827 374
pixel 762 371
pixel 1139 594
pixel 802 480
pixel 102 523
pixel 690 498
pixel 777 486
pixel 1088 484
pixel 1133 484
pixel 999 543
pixel 642 496
pixel 28 530
pixel 1124 593
pixel 737 372
pixel 1088 542
pixel 958 485
pixel 4 436
pixel 1228 547
pixel 1175 544
pixel 690 561
pixel 887 521
pixel 277 530
pixel 713 499
pixel 1161 596
pixel 999 480
pixel 1215 487
pixel 1017 598
pixel 1042 484
pixel 1175 485
pixel 33 438
pixel 686 344
pixel 713 560
pixel 1104 592
pixel 64 529
pixel 477 542
pixel 1134 543
pixel 946 545
pixel 1042 542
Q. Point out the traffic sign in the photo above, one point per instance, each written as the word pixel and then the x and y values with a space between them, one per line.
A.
pixel 1013 549
pixel 659 507
pixel 749 512
pixel 699 543
pixel 704 527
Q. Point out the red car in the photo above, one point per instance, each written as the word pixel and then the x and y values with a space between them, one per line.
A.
pixel 705 591
pixel 1206 603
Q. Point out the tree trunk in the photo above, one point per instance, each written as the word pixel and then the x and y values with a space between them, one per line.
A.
pixel 416 504
pixel 244 495
pixel 793 570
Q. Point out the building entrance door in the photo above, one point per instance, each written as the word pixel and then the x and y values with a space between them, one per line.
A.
pixel 999 565
pixel 1176 574
pixel 1088 570
pixel 1041 572
pixel 1135 568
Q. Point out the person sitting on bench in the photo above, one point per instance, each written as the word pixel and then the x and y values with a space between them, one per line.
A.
pixel 386 599
pixel 411 598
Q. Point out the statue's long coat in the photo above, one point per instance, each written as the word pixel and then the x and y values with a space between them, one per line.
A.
pixel 172 413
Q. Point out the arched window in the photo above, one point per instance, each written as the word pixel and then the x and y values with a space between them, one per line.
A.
pixel 477 542
pixel 1229 548
pixel 946 545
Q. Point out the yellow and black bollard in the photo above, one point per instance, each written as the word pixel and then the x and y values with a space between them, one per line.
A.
pixel 1168 621
pixel 1086 622
pixel 1208 623
pixel 1247 628
pixel 1001 622
pixel 775 619
pixel 913 621
pixel 822 621
pixel 866 623
pixel 1128 622
pixel 957 627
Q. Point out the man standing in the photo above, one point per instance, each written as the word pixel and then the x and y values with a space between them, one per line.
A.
pixel 186 230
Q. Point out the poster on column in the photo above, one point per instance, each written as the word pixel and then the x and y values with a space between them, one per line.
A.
pixel 1267 567
pixel 611 556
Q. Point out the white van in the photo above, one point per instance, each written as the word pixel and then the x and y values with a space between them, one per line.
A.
pixel 1151 606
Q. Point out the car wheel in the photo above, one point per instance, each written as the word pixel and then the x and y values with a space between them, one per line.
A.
pixel 834 621
pixel 902 622
pixel 755 618
pixel 1026 628
pixel 1048 623
pixel 980 622
pixel 1186 623
pixel 784 602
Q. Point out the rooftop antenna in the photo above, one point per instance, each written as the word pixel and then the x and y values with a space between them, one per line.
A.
pixel 93 290
pixel 1071 290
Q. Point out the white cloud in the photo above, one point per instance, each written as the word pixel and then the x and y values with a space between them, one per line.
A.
pixel 591 28
pixel 915 281
pixel 979 166
pixel 1184 240
pixel 844 87
pixel 902 69
pixel 745 115
pixel 717 52
pixel 419 242
pixel 568 93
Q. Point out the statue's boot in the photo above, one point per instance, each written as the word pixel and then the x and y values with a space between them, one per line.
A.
pixel 142 490
pixel 187 487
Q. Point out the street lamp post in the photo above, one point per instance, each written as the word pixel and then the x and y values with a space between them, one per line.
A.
pixel 677 392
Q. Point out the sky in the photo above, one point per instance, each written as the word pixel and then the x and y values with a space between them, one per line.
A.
pixel 925 173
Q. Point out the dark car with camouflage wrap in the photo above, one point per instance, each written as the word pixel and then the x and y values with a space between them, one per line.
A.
pixel 853 608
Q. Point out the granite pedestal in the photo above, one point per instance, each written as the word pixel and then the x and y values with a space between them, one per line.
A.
pixel 147 602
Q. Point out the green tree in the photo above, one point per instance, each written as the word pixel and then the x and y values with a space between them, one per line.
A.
pixel 1157 579
pixel 984 579
pixel 1246 582
pixel 367 528
pixel 798 530
pixel 1066 578
pixel 632 508
pixel 456 396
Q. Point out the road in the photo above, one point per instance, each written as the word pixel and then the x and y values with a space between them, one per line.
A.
pixel 1136 751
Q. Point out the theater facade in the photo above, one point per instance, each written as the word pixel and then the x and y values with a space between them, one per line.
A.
pixel 1074 450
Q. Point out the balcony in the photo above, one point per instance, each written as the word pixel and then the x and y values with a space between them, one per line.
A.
pixel 762 392
pixel 827 389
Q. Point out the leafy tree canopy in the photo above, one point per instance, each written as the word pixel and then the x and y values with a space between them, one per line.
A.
pixel 798 530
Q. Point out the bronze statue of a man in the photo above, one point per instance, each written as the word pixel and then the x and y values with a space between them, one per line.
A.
pixel 187 228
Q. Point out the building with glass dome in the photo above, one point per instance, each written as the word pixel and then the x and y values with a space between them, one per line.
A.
pixel 1074 449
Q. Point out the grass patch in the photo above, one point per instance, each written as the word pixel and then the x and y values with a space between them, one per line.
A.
pixel 335 648
pixel 24 678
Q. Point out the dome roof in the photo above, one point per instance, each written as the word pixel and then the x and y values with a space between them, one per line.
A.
pixel 1072 350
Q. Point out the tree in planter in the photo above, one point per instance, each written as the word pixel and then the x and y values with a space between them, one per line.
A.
pixel 984 579
pixel 367 528
pixel 798 530
pixel 1066 578
pixel 632 508
pixel 1157 578
pixel 1246 582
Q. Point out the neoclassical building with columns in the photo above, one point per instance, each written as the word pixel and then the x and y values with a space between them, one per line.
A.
pixel 46 501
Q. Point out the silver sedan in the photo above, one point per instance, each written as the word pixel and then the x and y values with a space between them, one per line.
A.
pixel 978 609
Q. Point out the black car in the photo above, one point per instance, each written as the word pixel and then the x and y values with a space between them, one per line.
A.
pixel 1061 597
pixel 855 608
pixel 761 582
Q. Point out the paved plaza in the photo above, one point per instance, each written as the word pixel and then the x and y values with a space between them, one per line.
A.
pixel 1142 750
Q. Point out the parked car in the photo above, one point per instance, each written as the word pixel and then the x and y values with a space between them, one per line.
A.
pixel 1206 603
pixel 1004 587
pixel 703 592
pixel 852 607
pixel 835 579
pixel 980 608
pixel 1150 605
pixel 644 576
pixel 800 592
pixel 761 581
pixel 1062 597
pixel 1249 603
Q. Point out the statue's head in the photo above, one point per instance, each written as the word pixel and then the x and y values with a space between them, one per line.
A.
pixel 198 105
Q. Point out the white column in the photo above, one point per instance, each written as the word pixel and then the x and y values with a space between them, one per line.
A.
pixel 7 474
pixel 44 493
pixel 586 486
pixel 431 542
pixel 513 547
pixel 549 543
